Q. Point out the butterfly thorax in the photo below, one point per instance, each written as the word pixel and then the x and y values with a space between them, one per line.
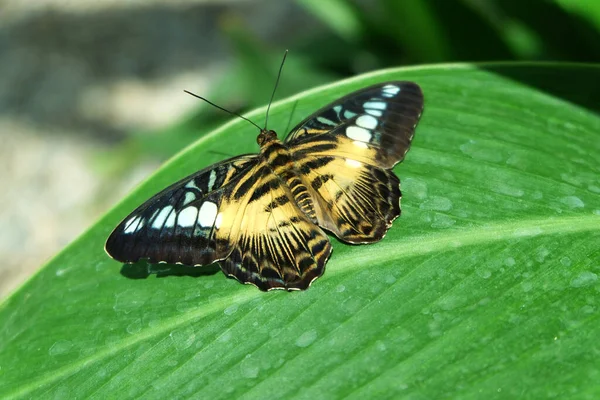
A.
pixel 277 157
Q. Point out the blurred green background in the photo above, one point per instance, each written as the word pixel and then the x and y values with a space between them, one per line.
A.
pixel 91 93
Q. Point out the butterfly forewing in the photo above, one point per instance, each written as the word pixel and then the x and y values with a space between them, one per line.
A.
pixel 179 225
pixel 382 116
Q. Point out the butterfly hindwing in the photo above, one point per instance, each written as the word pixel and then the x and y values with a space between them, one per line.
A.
pixel 355 201
pixel 345 152
pixel 178 224
pixel 277 245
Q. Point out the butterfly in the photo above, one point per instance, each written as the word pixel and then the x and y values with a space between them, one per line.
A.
pixel 263 217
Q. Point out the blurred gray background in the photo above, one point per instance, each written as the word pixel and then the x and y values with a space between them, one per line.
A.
pixel 77 80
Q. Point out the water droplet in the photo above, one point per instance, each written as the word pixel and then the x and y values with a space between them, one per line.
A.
pixel 192 294
pixel 249 367
pixel 572 202
pixel 566 261
pixel 60 347
pixel 231 309
pixel 128 301
pixel 450 302
pixel 441 221
pixel 541 255
pixel 537 195
pixel 594 188
pixel 135 326
pixel 436 203
pixel 484 273
pixel 526 286
pixel 225 337
pixel 509 262
pixel 573 180
pixel 585 278
pixel 479 151
pixel 507 190
pixel 183 339
pixel 340 288
pixel 307 338
pixel 274 332
pixel 415 187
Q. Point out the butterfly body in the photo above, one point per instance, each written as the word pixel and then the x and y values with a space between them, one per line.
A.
pixel 263 217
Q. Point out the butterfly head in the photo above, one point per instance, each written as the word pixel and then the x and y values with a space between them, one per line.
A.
pixel 265 136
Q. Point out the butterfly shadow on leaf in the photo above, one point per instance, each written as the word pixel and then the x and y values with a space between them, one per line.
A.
pixel 143 269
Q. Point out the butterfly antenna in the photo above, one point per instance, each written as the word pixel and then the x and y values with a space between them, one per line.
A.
pixel 221 108
pixel 275 88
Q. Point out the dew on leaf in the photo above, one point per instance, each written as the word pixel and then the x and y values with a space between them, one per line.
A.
pixel 249 368
pixel 307 338
pixel 584 279
pixel 60 347
pixel 231 309
pixel 436 203
pixel 572 202
pixel 566 261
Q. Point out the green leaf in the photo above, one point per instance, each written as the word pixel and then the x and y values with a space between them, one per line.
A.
pixel 486 287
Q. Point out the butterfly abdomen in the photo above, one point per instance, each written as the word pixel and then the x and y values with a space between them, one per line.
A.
pixel 279 159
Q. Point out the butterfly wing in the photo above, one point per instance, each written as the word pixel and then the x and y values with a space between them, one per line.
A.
pixel 382 116
pixel 277 245
pixel 236 212
pixel 345 152
pixel 180 224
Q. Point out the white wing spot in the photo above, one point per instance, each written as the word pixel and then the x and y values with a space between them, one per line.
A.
pixel 325 121
pixel 367 122
pixel 376 113
pixel 161 217
pixel 376 105
pixel 187 217
pixel 192 185
pixel 212 179
pixel 337 109
pixel 349 114
pixel 218 220
pixel 170 222
pixel 189 197
pixel 390 90
pixel 134 225
pixel 358 133
pixel 207 214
